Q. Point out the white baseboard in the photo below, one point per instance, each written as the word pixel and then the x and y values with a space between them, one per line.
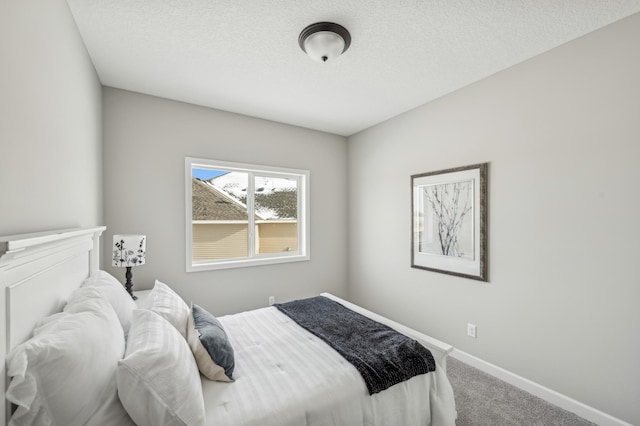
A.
pixel 586 412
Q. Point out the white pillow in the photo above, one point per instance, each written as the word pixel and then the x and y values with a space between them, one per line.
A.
pixel 116 294
pixel 65 374
pixel 166 303
pixel 158 380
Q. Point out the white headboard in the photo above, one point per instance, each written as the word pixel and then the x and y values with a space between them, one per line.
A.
pixel 38 272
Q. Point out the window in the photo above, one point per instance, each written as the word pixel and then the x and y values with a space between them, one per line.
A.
pixel 244 215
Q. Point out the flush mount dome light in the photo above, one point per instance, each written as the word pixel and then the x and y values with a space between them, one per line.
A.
pixel 323 41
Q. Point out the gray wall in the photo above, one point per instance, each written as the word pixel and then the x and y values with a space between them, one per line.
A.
pixel 50 121
pixel 146 140
pixel 562 135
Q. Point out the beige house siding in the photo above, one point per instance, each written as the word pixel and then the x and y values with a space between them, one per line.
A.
pixel 277 237
pixel 219 241
pixel 215 241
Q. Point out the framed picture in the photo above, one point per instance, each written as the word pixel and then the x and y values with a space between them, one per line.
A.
pixel 449 221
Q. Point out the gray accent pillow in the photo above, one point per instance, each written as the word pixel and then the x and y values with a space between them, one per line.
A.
pixel 214 339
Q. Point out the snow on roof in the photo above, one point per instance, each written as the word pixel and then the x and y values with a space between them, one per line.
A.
pixel 276 198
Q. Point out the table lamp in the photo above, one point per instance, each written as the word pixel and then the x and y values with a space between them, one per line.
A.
pixel 129 251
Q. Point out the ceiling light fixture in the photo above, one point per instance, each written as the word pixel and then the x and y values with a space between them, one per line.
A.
pixel 323 41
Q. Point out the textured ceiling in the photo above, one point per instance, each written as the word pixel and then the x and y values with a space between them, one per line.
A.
pixel 243 56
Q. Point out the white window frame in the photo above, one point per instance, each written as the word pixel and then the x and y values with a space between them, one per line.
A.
pixel 302 253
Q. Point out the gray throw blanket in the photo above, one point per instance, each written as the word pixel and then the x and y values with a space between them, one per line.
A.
pixel 383 356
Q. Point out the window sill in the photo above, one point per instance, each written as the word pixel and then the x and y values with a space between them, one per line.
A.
pixel 243 263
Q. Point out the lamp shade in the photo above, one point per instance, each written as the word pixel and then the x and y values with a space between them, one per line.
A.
pixel 324 41
pixel 129 250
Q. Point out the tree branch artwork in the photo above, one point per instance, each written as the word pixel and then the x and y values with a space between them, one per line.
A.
pixel 449 221
pixel 450 203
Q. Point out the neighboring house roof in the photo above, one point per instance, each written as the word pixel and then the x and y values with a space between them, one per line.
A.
pixel 212 203
pixel 275 198
pixel 277 205
pixel 235 183
pixel 209 203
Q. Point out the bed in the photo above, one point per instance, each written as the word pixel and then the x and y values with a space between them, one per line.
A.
pixel 283 374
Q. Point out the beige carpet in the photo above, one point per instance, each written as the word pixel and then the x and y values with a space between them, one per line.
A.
pixel 483 400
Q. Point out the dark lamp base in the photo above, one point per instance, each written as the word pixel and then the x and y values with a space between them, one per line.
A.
pixel 129 285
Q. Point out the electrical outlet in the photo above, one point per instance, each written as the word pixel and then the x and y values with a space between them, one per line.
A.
pixel 272 300
pixel 471 330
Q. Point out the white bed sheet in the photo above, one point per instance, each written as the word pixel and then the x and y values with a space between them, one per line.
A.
pixel 285 376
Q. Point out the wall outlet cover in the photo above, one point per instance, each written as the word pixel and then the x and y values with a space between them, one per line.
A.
pixel 471 330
